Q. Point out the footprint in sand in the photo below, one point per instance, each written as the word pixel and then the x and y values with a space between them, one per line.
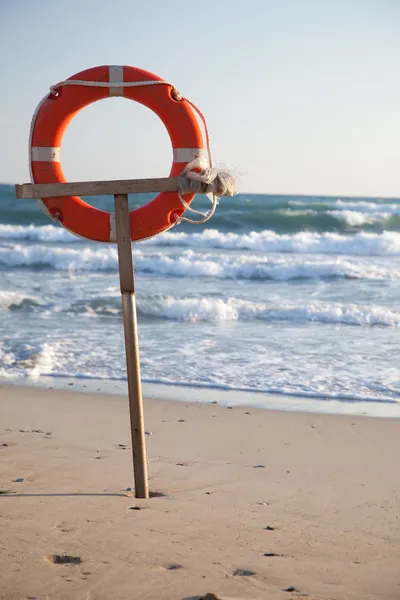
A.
pixel 174 567
pixel 63 559
pixel 243 573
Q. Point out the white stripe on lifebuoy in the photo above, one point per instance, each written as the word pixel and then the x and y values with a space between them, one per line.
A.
pixel 116 75
pixel 113 228
pixel 186 155
pixel 45 154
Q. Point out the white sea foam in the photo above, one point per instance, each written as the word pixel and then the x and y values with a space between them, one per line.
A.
pixel 195 264
pixel 27 360
pixel 10 300
pixel 363 206
pixel 234 309
pixel 37 233
pixel 92 258
pixel 244 266
pixel 392 208
pixel 305 242
pixel 363 243
pixel 356 218
pixel 214 310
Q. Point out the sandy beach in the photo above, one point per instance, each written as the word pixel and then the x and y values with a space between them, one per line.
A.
pixel 248 503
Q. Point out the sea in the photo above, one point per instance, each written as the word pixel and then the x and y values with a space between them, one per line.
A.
pixel 284 302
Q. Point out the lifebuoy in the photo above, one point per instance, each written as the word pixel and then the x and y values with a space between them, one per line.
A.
pixel 52 117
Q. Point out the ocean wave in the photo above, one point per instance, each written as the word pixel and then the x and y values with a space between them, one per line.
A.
pixel 355 218
pixel 10 300
pixel 212 309
pixel 235 309
pixel 363 206
pixel 94 256
pixel 253 267
pixel 28 360
pixel 195 264
pixel 392 208
pixel 351 217
pixel 305 242
pixel 37 233
pixel 300 231
pixel 91 258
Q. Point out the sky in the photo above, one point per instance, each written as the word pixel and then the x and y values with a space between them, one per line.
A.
pixel 301 96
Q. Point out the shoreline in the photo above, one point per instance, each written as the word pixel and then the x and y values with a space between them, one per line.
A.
pixel 249 502
pixel 206 395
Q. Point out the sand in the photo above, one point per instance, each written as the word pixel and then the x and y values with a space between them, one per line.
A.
pixel 249 503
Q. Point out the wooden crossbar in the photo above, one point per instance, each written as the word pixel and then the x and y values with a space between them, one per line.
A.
pixel 26 191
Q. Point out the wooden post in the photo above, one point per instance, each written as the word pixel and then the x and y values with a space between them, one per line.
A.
pixel 131 344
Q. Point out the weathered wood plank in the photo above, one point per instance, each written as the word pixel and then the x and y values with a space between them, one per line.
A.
pixel 96 188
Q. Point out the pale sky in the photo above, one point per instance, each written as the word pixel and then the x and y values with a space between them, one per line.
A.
pixel 301 96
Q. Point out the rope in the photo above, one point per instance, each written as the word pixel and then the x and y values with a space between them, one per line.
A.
pixel 208 181
pixel 211 182
pixel 53 88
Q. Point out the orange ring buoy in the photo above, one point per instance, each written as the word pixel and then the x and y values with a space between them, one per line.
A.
pixel 52 118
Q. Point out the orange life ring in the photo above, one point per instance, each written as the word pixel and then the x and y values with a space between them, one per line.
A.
pixel 56 111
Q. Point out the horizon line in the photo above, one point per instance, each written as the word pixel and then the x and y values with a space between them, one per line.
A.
pixel 295 195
